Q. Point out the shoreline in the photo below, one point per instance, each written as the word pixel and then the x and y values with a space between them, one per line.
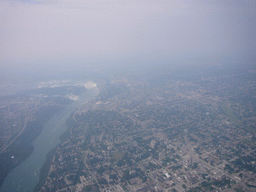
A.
pixel 44 171
pixel 22 147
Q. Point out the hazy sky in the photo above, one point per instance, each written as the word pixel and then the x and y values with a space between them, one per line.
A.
pixel 36 34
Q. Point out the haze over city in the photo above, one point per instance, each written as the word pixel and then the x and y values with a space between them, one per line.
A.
pixel 70 35
pixel 131 95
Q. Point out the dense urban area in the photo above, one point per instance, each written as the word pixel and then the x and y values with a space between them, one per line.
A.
pixel 142 133
pixel 160 134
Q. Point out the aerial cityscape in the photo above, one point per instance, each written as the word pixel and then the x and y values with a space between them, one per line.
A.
pixel 152 133
pixel 127 96
pixel 163 136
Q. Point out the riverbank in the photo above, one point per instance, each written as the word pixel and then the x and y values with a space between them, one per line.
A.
pixel 47 164
pixel 45 170
pixel 22 147
pixel 25 176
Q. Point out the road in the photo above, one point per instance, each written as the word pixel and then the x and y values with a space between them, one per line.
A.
pixel 23 128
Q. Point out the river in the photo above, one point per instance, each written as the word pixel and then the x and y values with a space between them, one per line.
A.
pixel 25 176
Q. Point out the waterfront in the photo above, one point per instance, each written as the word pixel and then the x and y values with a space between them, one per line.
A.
pixel 25 176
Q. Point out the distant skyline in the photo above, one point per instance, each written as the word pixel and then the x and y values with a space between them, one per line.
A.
pixel 72 34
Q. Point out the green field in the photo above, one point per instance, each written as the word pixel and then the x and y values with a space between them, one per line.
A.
pixel 232 116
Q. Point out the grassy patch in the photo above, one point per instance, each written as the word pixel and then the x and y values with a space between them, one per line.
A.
pixel 117 155
pixel 232 116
